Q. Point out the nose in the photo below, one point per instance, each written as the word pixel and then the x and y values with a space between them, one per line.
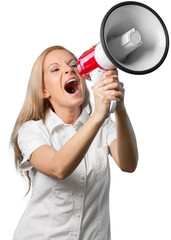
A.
pixel 68 69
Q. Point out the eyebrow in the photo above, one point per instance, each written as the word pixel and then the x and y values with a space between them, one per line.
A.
pixel 73 59
pixel 53 64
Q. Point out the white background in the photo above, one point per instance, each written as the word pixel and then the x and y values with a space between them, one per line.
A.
pixel 140 203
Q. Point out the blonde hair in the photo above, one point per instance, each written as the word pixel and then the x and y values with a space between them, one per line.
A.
pixel 35 107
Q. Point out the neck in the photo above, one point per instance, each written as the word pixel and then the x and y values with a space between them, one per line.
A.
pixel 68 115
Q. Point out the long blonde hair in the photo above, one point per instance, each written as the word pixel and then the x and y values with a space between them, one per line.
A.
pixel 35 107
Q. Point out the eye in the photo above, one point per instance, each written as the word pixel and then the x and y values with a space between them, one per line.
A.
pixel 74 65
pixel 55 70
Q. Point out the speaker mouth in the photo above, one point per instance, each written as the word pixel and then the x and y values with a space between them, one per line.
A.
pixel 151 57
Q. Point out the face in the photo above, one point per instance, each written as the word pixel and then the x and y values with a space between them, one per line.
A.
pixel 63 86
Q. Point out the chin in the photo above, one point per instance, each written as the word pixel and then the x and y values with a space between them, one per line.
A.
pixel 76 102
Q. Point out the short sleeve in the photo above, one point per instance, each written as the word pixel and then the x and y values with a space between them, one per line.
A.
pixel 30 137
pixel 110 128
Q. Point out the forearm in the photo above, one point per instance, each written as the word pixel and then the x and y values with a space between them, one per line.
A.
pixel 127 151
pixel 70 155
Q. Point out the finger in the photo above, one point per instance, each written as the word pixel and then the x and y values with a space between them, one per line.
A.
pixel 117 86
pixel 110 86
pixel 106 80
pixel 120 86
pixel 115 93
pixel 111 72
pixel 112 95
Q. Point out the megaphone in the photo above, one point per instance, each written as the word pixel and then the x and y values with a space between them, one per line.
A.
pixel 133 38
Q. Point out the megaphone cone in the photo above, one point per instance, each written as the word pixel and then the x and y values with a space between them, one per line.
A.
pixel 133 38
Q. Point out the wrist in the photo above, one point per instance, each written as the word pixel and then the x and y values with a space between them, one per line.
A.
pixel 120 109
pixel 97 118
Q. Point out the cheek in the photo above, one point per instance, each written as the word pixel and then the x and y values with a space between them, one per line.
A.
pixel 51 84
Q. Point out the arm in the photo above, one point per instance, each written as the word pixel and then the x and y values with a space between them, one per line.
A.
pixel 63 162
pixel 124 148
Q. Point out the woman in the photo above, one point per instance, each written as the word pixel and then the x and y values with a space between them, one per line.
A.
pixel 64 150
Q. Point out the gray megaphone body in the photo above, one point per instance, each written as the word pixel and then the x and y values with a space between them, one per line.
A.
pixel 133 38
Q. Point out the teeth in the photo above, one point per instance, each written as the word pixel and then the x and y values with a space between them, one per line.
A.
pixel 71 80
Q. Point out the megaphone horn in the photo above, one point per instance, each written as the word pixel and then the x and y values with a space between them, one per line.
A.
pixel 133 38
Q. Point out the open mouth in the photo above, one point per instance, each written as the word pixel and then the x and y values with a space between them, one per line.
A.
pixel 72 86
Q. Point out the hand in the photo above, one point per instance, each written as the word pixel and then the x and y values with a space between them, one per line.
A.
pixel 107 89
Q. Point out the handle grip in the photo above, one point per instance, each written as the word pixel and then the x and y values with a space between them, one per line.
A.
pixel 95 76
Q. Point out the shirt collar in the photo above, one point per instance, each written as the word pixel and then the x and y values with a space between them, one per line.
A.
pixel 82 119
pixel 53 121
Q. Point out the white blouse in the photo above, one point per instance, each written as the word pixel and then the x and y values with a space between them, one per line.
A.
pixel 77 207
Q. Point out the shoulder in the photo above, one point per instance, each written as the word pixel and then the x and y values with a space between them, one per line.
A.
pixel 31 135
pixel 32 125
pixel 32 131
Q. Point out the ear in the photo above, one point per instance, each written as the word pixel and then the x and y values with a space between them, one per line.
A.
pixel 46 94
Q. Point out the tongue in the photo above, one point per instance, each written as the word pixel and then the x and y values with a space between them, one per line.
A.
pixel 70 87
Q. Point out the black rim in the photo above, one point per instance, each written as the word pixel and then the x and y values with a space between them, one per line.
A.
pixel 107 51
